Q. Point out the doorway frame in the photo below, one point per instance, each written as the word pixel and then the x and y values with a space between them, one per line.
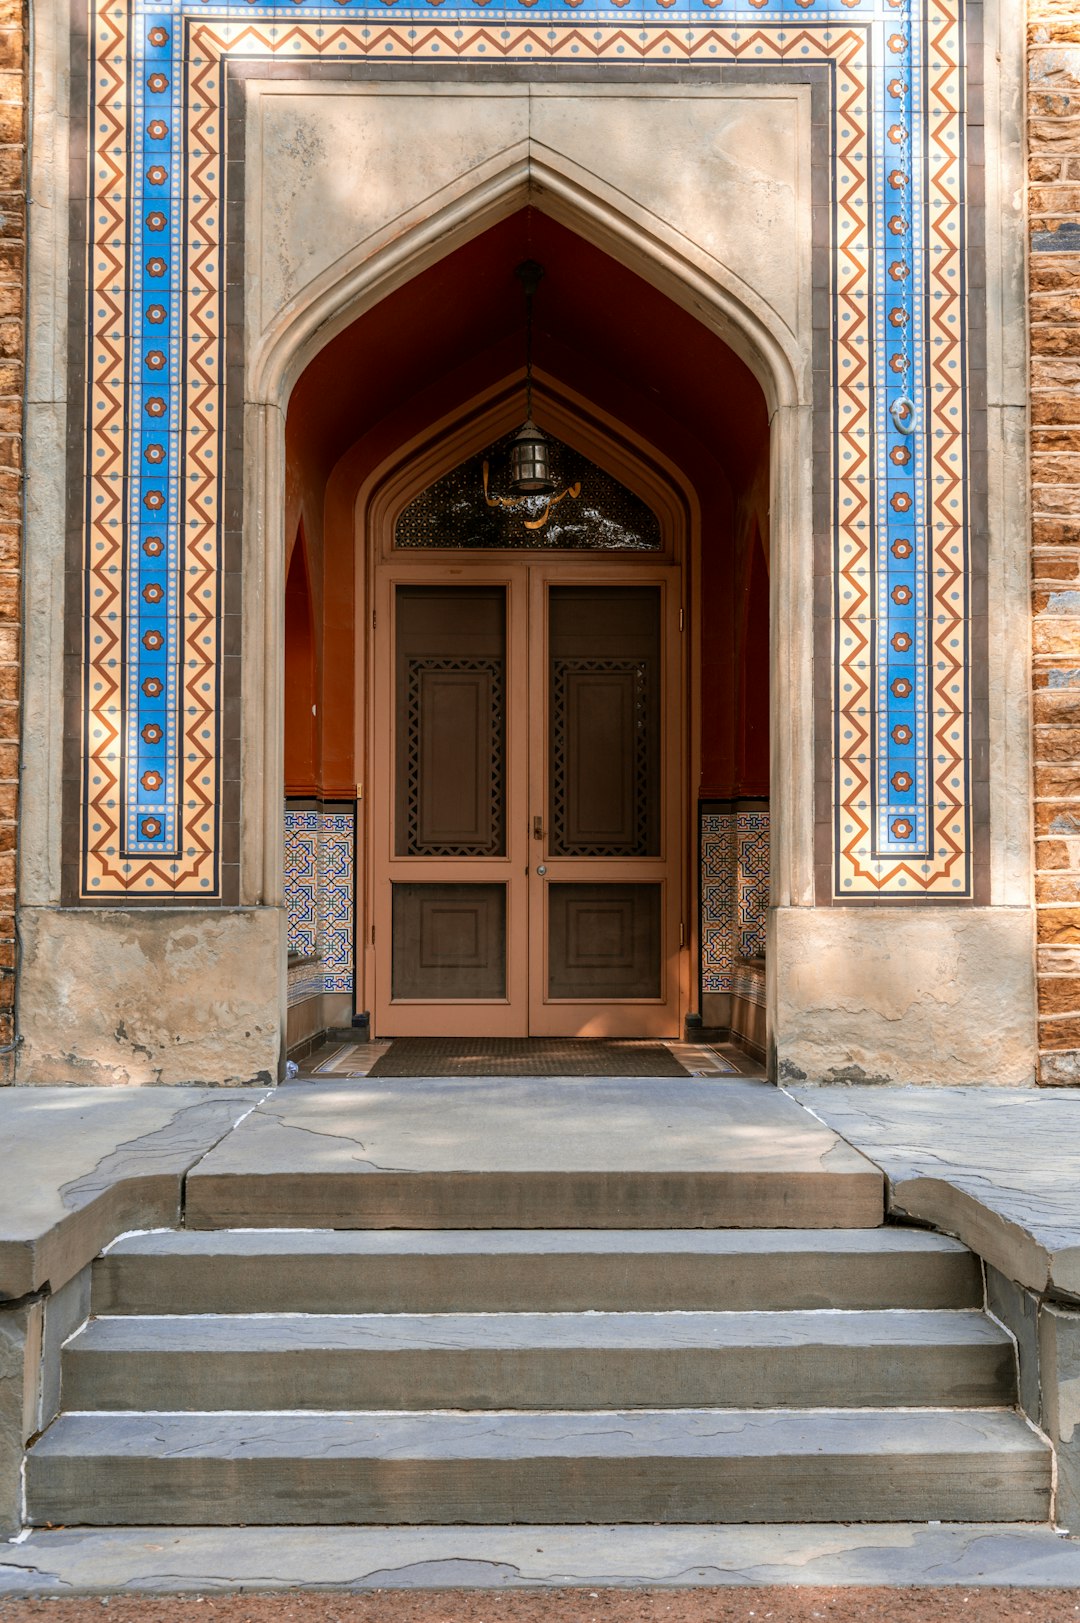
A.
pixel 413 468
pixel 692 277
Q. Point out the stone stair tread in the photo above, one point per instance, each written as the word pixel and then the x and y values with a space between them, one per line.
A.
pixel 956 1555
pixel 542 1361
pixel 529 1242
pixel 549 1434
pixel 563 1270
pixel 494 1332
pixel 704 1465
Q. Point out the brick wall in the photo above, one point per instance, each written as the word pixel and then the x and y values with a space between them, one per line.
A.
pixel 12 279
pixel 1054 221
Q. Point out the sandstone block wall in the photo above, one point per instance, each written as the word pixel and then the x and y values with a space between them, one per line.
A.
pixel 1054 271
pixel 12 285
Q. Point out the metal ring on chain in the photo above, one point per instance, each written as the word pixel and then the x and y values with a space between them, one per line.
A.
pixel 902 412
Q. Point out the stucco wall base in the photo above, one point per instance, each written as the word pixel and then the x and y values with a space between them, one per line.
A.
pixel 151 997
pixel 883 994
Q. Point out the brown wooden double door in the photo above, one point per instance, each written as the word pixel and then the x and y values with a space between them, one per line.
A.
pixel 525 825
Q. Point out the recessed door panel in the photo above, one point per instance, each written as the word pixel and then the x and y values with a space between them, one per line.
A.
pixel 449 941
pixel 604 941
pixel 604 901
pixel 448 805
pixel 604 674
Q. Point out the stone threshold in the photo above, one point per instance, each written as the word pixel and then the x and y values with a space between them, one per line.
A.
pixel 205 1559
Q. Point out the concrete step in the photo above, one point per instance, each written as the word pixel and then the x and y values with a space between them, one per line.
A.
pixel 534 1152
pixel 515 1270
pixel 736 1198
pixel 691 1465
pixel 539 1361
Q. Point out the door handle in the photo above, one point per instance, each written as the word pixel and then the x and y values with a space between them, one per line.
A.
pixel 538 828
pixel 541 870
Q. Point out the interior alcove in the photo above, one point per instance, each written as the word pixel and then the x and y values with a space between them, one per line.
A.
pixel 653 382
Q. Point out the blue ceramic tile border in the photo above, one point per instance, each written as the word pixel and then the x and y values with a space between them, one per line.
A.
pixel 152 785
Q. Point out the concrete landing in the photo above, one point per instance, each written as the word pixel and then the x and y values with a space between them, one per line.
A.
pixel 531 1153
pixel 83 1165
pixel 207 1559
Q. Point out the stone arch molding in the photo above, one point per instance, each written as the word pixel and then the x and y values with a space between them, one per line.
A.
pixel 298 314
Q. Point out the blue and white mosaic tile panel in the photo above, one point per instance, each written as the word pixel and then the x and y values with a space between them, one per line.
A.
pixel 320 870
pixel 734 894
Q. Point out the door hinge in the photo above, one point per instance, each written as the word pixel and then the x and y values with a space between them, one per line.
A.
pixel 374 617
pixel 682 934
pixel 682 618
pixel 372 935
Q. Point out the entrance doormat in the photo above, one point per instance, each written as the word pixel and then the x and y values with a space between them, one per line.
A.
pixel 525 1056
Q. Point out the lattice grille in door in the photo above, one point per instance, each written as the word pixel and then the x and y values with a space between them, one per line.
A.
pixel 621 686
pixel 450 745
pixel 439 691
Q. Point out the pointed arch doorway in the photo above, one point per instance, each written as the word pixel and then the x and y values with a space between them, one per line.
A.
pixel 526 819
pixel 418 388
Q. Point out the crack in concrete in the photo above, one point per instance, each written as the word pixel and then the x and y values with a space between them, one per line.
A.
pixel 315 1132
pixel 8 1568
pixel 168 1139
pixel 201 1157
pixel 272 1117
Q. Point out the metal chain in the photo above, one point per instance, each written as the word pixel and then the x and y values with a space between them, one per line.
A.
pixel 902 408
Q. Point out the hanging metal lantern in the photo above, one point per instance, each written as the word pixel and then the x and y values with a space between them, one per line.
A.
pixel 530 462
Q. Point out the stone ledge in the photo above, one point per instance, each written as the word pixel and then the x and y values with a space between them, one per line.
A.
pixel 997 1167
pixel 82 1165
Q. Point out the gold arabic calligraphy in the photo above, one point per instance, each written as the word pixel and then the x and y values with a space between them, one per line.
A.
pixel 517 501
